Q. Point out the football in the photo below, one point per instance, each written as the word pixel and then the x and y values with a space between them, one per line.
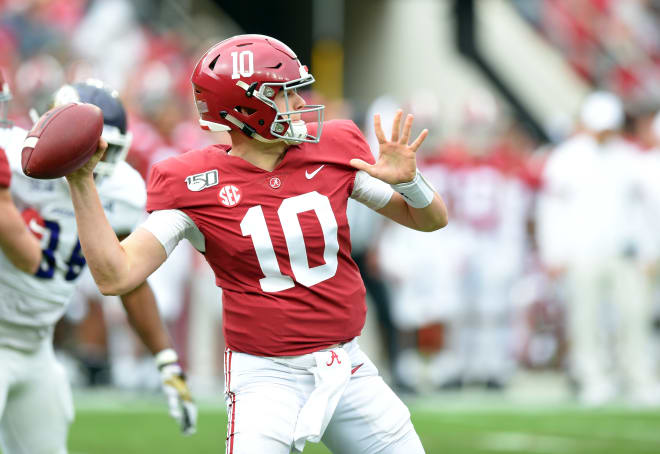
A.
pixel 62 141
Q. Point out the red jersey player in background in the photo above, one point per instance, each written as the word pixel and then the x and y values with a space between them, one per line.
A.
pixel 269 214
pixel 16 242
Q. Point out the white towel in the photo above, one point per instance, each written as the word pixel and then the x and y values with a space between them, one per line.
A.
pixel 331 375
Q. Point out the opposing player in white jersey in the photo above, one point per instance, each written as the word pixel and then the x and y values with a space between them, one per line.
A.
pixel 16 243
pixel 36 408
pixel 269 213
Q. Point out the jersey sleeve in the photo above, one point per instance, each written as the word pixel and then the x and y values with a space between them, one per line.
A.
pixel 356 147
pixel 5 171
pixel 172 183
pixel 354 143
pixel 159 196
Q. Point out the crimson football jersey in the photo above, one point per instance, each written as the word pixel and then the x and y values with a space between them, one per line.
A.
pixel 277 241
pixel 5 171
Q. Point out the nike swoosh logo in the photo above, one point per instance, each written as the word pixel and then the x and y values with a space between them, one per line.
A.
pixel 356 368
pixel 309 176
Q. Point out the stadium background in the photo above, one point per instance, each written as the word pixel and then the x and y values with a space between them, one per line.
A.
pixel 500 75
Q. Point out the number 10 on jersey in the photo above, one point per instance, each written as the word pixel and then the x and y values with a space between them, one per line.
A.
pixel 254 226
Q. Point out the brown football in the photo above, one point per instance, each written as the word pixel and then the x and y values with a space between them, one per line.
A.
pixel 62 140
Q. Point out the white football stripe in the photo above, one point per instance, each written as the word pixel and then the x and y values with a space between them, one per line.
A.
pixel 30 142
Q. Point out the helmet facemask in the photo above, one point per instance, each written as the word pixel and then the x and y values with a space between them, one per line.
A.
pixel 283 127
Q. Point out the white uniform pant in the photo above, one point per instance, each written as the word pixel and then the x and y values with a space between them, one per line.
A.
pixel 625 286
pixel 265 395
pixel 36 406
pixel 481 329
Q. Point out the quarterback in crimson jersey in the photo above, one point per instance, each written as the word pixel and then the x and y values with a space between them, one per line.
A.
pixel 277 241
pixel 269 214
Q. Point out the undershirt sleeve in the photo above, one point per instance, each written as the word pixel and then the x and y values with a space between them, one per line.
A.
pixel 171 226
pixel 371 191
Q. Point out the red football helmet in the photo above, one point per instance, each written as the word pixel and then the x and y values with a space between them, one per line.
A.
pixel 236 81
pixel 5 97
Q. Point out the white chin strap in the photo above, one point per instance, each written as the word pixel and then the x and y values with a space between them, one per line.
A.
pixel 294 134
pixel 211 126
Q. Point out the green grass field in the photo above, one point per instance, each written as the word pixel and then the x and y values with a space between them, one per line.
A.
pixel 447 424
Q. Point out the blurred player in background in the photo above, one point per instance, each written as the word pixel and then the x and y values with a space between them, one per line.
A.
pixel 16 242
pixel 269 213
pixel 593 221
pixel 452 289
pixel 422 270
pixel 36 408
pixel 491 202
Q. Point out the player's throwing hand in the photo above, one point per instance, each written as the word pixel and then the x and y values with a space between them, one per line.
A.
pixel 396 160
pixel 88 168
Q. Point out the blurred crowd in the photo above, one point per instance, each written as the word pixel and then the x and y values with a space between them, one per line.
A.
pixel 550 259
pixel 610 43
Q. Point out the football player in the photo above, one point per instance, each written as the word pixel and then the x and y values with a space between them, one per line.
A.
pixel 36 408
pixel 16 242
pixel 269 214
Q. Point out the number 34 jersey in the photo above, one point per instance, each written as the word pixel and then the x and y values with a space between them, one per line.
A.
pixel 39 300
pixel 277 241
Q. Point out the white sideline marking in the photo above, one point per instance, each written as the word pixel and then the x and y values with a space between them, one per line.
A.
pixel 518 441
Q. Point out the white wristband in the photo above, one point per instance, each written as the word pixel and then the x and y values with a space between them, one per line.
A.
pixel 417 193
pixel 167 356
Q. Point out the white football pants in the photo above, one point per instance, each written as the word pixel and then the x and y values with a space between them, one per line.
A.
pixel 266 404
pixel 625 284
pixel 36 406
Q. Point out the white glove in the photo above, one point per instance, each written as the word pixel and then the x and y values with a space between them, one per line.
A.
pixel 179 399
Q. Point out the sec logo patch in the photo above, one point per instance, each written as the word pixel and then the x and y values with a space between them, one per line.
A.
pixel 229 195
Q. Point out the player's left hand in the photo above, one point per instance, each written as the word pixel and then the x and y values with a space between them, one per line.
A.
pixel 396 160
pixel 179 399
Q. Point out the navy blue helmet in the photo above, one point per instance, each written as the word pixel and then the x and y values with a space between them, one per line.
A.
pixel 94 91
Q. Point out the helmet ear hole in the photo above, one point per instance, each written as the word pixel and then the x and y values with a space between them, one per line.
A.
pixel 245 110
pixel 213 62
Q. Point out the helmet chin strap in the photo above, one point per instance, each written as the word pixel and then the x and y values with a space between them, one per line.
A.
pixel 296 132
pixel 213 126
